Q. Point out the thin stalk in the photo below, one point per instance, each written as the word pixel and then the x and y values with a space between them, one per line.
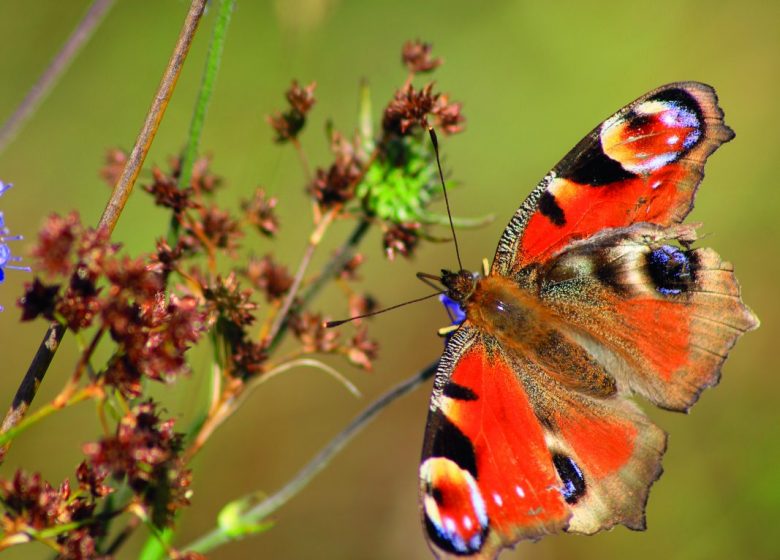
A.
pixel 314 240
pixel 261 511
pixel 61 61
pixel 51 340
pixel 330 271
pixel 213 59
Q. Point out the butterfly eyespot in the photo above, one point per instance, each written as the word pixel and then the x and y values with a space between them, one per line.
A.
pixel 454 510
pixel 654 133
pixel 671 270
pixel 573 480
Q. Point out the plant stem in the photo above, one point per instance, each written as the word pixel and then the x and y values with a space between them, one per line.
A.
pixel 282 318
pixel 61 61
pixel 213 59
pixel 51 340
pixel 261 511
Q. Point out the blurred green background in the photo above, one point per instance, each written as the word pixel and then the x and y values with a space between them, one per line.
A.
pixel 534 78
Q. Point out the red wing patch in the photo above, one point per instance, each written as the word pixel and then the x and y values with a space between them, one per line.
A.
pixel 643 164
pixel 487 477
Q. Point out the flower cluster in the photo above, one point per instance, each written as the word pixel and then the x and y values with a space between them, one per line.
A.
pixel 146 453
pixel 392 177
pixel 144 313
pixel 32 505
pixel 289 123
pixel 125 297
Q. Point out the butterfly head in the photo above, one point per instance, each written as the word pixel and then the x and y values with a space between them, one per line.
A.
pixel 460 285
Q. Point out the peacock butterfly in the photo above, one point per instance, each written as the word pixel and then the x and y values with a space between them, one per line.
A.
pixel 595 294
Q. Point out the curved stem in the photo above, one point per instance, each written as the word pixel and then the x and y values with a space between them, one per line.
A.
pixel 61 61
pixel 261 511
pixel 51 340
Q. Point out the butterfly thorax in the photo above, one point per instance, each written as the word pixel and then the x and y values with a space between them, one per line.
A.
pixel 511 314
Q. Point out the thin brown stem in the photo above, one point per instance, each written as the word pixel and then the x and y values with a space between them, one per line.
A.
pixel 51 341
pixel 61 61
pixel 314 240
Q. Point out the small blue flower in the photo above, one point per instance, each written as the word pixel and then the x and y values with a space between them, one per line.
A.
pixel 454 310
pixel 7 258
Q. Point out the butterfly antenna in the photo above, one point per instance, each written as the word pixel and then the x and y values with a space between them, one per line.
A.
pixel 435 142
pixel 331 324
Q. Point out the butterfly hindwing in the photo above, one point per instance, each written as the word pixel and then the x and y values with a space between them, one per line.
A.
pixel 642 164
pixel 658 315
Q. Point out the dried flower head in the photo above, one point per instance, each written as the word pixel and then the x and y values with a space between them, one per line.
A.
pixel 269 277
pixel 167 193
pixel 350 268
pixel 361 350
pixel 408 107
pixel 447 116
pixel 226 301
pixel 56 240
pixel 309 328
pixel 401 239
pixel 145 451
pixel 416 56
pixel 115 159
pixel 220 228
pixel 32 503
pixel 248 358
pixel 260 212
pixel 290 123
pixel 301 99
pixel 202 181
pixel 39 299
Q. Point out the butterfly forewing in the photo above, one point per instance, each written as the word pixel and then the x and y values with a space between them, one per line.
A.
pixel 642 164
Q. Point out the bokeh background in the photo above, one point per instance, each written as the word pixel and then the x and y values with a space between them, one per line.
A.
pixel 533 78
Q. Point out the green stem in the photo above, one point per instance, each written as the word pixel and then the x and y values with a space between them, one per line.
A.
pixel 261 511
pixel 213 59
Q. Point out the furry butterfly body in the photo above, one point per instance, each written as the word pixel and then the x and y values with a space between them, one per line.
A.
pixel 595 294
